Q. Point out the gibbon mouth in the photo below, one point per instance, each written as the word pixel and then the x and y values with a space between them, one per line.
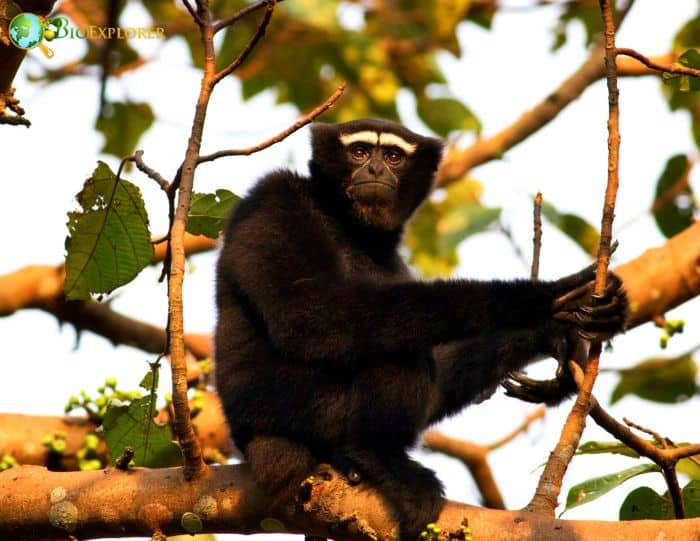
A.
pixel 375 182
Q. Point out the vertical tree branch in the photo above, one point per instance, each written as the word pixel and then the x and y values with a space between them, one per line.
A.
pixel 194 465
pixel 546 495
pixel 537 237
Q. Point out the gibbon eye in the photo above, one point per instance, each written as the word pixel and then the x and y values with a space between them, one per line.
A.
pixel 359 153
pixel 393 156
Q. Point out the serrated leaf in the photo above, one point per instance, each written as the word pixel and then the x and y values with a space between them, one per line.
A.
pixel 208 212
pixel 108 241
pixel 659 380
pixel 673 206
pixel 445 115
pixel 574 227
pixel 133 425
pixel 602 447
pixel 124 126
pixel 592 489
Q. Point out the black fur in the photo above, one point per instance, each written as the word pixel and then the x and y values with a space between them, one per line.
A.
pixel 328 351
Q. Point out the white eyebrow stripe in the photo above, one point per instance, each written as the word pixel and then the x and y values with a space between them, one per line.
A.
pixel 368 137
pixel 391 139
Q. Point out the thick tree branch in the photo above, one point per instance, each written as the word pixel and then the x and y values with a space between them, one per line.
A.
pixel 137 502
pixel 457 163
pixel 475 457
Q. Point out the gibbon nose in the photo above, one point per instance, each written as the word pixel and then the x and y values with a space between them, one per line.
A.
pixel 375 167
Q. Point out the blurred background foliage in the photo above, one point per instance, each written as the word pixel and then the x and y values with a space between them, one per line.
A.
pixel 379 48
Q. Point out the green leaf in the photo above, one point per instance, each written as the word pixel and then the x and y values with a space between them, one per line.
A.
pixel 602 447
pixel 691 499
pixel 588 14
pixel 574 227
pixel 688 36
pixel 445 115
pixel 150 380
pixel 673 206
pixel 123 126
pixel 645 503
pixel 208 212
pixel 592 489
pixel 685 83
pixel 659 379
pixel 108 241
pixel 689 468
pixel 437 228
pixel 133 425
pixel 459 222
pixel 690 59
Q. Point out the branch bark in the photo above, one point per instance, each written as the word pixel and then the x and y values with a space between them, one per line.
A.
pixel 137 502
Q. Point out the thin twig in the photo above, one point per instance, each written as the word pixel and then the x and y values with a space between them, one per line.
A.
pixel 657 437
pixel 649 63
pixel 106 54
pixel 137 158
pixel 14 120
pixel 233 19
pixel 303 121
pixel 193 12
pixel 259 33
pixel 534 415
pixel 537 237
pixel 508 233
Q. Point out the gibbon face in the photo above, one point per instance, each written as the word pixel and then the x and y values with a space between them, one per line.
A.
pixel 379 170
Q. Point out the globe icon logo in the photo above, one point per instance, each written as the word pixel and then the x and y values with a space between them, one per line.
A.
pixel 26 30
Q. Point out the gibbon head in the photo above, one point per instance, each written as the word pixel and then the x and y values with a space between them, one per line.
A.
pixel 377 170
